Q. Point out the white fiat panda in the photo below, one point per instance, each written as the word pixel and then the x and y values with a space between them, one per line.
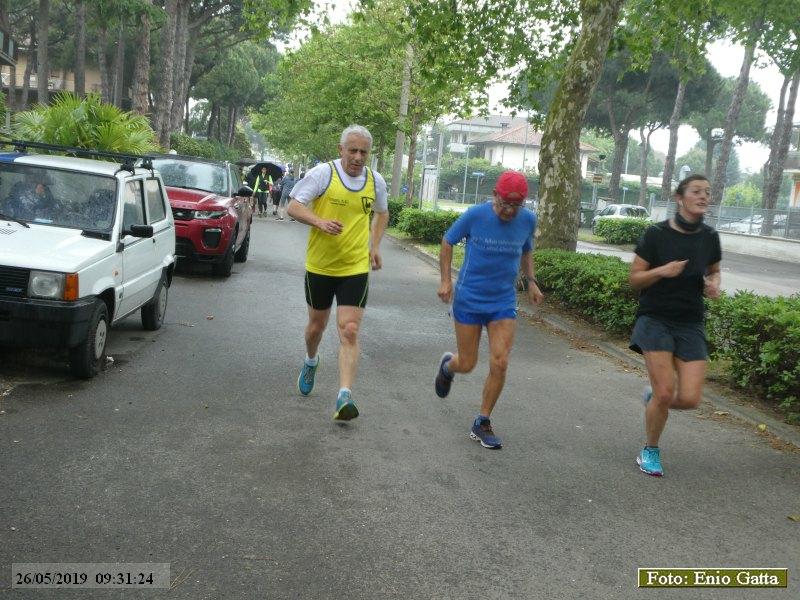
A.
pixel 83 244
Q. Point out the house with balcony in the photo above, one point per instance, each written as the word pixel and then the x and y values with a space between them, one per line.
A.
pixel 503 140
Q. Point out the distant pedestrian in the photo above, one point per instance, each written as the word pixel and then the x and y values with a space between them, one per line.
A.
pixel 499 241
pixel 677 262
pixel 338 199
pixel 261 189
pixel 287 185
pixel 275 194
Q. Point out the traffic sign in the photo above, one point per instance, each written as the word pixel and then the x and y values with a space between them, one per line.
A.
pixel 597 178
pixel 478 174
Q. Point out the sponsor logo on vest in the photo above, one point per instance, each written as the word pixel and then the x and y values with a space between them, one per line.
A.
pixel 366 204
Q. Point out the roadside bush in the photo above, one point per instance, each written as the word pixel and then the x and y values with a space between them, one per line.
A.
pixel 396 206
pixel 427 226
pixel 621 231
pixel 759 338
pixel 595 285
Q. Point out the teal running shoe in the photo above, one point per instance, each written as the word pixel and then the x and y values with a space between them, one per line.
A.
pixel 305 382
pixel 649 461
pixel 345 408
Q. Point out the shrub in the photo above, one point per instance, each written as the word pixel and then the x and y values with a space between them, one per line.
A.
pixel 427 226
pixel 595 285
pixel 759 337
pixel 189 146
pixel 396 207
pixel 621 231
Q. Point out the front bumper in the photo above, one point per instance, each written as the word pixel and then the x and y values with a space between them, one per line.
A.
pixel 202 241
pixel 28 322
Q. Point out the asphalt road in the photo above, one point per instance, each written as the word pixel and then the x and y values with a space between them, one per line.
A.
pixel 194 448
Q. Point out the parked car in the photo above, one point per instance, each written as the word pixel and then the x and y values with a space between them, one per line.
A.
pixel 752 224
pixel 620 211
pixel 83 244
pixel 212 210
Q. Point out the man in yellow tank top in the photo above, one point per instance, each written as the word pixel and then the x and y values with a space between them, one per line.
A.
pixel 337 200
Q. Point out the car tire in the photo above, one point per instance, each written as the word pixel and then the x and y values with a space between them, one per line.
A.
pixel 89 356
pixel 244 249
pixel 223 269
pixel 153 312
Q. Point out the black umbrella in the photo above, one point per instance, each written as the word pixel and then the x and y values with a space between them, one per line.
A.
pixel 273 170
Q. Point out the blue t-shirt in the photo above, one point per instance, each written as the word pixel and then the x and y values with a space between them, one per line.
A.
pixel 492 257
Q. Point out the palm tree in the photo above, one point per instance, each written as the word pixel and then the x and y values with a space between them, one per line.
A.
pixel 87 123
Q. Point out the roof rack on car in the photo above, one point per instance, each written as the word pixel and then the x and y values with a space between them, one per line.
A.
pixel 127 161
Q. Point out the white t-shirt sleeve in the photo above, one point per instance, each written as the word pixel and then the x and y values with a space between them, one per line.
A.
pixel 312 185
pixel 381 194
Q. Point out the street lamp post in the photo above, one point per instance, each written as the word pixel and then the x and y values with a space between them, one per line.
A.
pixel 466 166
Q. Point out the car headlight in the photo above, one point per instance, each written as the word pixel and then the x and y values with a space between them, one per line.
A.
pixel 54 286
pixel 209 214
pixel 45 284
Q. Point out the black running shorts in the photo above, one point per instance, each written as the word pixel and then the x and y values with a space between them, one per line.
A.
pixel 350 290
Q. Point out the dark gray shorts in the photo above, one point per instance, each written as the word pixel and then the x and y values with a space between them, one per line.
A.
pixel 686 341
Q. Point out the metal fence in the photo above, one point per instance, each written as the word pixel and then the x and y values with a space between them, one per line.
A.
pixel 777 222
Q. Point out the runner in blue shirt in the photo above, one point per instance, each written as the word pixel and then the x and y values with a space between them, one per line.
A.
pixel 499 241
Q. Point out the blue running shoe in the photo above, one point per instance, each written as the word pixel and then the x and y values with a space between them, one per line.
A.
pixel 345 408
pixel 443 381
pixel 482 432
pixel 305 382
pixel 647 394
pixel 649 461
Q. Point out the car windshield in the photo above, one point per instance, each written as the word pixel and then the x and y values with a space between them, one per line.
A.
pixel 57 197
pixel 202 176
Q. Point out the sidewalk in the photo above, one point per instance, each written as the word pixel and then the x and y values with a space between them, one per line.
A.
pixel 722 406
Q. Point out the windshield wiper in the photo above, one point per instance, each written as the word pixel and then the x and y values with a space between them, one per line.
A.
pixel 93 233
pixel 189 187
pixel 20 221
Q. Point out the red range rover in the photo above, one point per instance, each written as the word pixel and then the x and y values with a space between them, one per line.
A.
pixel 211 207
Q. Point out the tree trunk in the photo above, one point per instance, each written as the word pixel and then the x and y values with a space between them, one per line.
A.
pixel 412 156
pixel 710 143
pixel 179 66
pixel 119 65
pixel 141 69
pixel 674 124
pixel 42 60
pixel 731 119
pixel 778 160
pixel 165 96
pixel 621 141
pixel 184 91
pixel 102 62
pixel 80 48
pixel 645 151
pixel 210 125
pixel 400 136
pixel 26 75
pixel 232 115
pixel 559 159
pixel 775 138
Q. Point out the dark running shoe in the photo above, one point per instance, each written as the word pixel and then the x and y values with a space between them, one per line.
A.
pixel 345 407
pixel 482 432
pixel 443 381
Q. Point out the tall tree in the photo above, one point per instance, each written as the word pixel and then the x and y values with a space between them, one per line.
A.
pixel 80 48
pixel 42 61
pixel 165 90
pixel 140 89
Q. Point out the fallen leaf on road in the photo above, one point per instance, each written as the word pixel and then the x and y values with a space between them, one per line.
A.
pixel 795 518
pixel 762 427
pixel 721 413
pixel 210 317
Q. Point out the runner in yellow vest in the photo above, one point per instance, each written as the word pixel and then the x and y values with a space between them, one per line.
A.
pixel 337 199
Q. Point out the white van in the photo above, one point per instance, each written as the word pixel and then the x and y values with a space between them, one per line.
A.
pixel 83 244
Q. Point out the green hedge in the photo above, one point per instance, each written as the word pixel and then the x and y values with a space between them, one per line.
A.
pixel 621 231
pixel 424 225
pixel 756 338
pixel 189 146
pixel 396 206
pixel 593 284
pixel 759 338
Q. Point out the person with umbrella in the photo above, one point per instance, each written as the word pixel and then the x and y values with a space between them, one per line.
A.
pixel 337 200
pixel 261 189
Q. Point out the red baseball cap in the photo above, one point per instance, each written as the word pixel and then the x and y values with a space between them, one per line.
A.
pixel 512 186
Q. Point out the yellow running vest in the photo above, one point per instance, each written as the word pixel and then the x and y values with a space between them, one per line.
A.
pixel 347 253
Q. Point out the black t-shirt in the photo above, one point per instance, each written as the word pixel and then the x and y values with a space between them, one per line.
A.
pixel 677 298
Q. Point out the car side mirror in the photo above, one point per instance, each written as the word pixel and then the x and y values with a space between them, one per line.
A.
pixel 140 231
pixel 245 190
